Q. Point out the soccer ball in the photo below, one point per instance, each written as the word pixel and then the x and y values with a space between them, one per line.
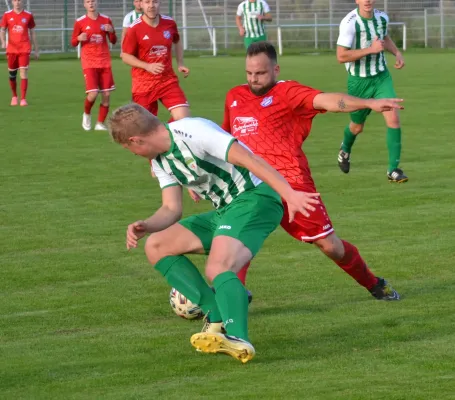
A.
pixel 183 307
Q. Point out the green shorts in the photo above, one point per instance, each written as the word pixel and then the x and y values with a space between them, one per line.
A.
pixel 373 87
pixel 250 218
pixel 248 40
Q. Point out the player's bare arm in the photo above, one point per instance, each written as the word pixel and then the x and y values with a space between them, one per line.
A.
pixel 3 37
pixel 297 201
pixel 345 54
pixel 35 43
pixel 133 61
pixel 168 214
pixel 391 47
pixel 340 102
pixel 178 48
pixel 266 17
pixel 238 22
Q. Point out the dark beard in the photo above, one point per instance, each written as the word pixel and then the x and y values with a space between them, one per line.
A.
pixel 262 91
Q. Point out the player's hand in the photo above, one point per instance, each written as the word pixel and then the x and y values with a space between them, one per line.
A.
pixel 135 232
pixel 36 54
pixel 194 196
pixel 381 105
pixel 377 45
pixel 301 202
pixel 242 31
pixel 155 68
pixel 108 28
pixel 399 61
pixel 82 37
pixel 184 70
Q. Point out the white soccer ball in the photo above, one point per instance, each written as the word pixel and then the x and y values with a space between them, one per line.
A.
pixel 183 307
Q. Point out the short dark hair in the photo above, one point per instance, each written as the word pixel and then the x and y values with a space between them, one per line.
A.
pixel 262 47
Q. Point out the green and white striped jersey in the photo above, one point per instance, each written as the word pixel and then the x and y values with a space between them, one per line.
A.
pixel 197 160
pixel 357 32
pixel 250 10
pixel 130 18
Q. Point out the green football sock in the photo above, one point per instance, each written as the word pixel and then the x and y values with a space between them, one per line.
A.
pixel 183 275
pixel 394 146
pixel 348 140
pixel 232 301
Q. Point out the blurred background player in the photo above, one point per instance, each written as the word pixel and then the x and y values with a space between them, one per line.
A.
pixel 147 48
pixel 273 119
pixel 361 44
pixel 92 31
pixel 18 22
pixel 130 18
pixel 254 13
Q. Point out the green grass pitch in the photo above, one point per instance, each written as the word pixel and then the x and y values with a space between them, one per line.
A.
pixel 82 318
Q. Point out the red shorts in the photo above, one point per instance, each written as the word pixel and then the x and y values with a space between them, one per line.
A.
pixel 17 61
pixel 170 94
pixel 308 229
pixel 98 80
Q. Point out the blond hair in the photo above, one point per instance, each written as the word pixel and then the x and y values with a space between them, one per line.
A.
pixel 131 120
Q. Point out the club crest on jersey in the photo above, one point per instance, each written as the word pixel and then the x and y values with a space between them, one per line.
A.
pixel 267 101
pixel 24 20
pixel 167 34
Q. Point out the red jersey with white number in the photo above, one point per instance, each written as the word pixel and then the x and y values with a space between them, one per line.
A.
pixel 18 26
pixel 95 50
pixel 152 45
pixel 274 126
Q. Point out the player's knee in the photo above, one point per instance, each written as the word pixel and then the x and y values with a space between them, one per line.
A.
pixel 155 248
pixel 91 96
pixel 356 128
pixel 12 75
pixel 23 73
pixel 331 246
pixel 105 96
pixel 214 268
pixel 393 119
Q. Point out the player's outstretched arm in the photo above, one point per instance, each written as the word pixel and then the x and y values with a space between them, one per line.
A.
pixel 341 102
pixel 391 47
pixel 297 201
pixel 168 214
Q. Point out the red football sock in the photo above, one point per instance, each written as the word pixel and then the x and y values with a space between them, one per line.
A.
pixel 242 273
pixel 103 113
pixel 13 85
pixel 88 106
pixel 353 264
pixel 24 85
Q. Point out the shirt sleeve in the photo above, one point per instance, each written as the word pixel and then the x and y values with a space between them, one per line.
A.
pixel 226 125
pixel 301 100
pixel 112 35
pixel 240 10
pixel 76 32
pixel 266 7
pixel 126 21
pixel 347 34
pixel 164 178
pixel 31 22
pixel 129 45
pixel 176 37
pixel 387 26
pixel 213 140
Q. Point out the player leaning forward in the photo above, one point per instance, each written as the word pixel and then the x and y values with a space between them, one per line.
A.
pixel 198 154
pixel 361 45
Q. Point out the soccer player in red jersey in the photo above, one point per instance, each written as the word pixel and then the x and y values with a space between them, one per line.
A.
pixel 92 31
pixel 18 22
pixel 273 119
pixel 147 48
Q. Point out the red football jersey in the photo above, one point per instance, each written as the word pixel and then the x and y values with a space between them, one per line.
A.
pixel 274 126
pixel 18 26
pixel 95 50
pixel 152 45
